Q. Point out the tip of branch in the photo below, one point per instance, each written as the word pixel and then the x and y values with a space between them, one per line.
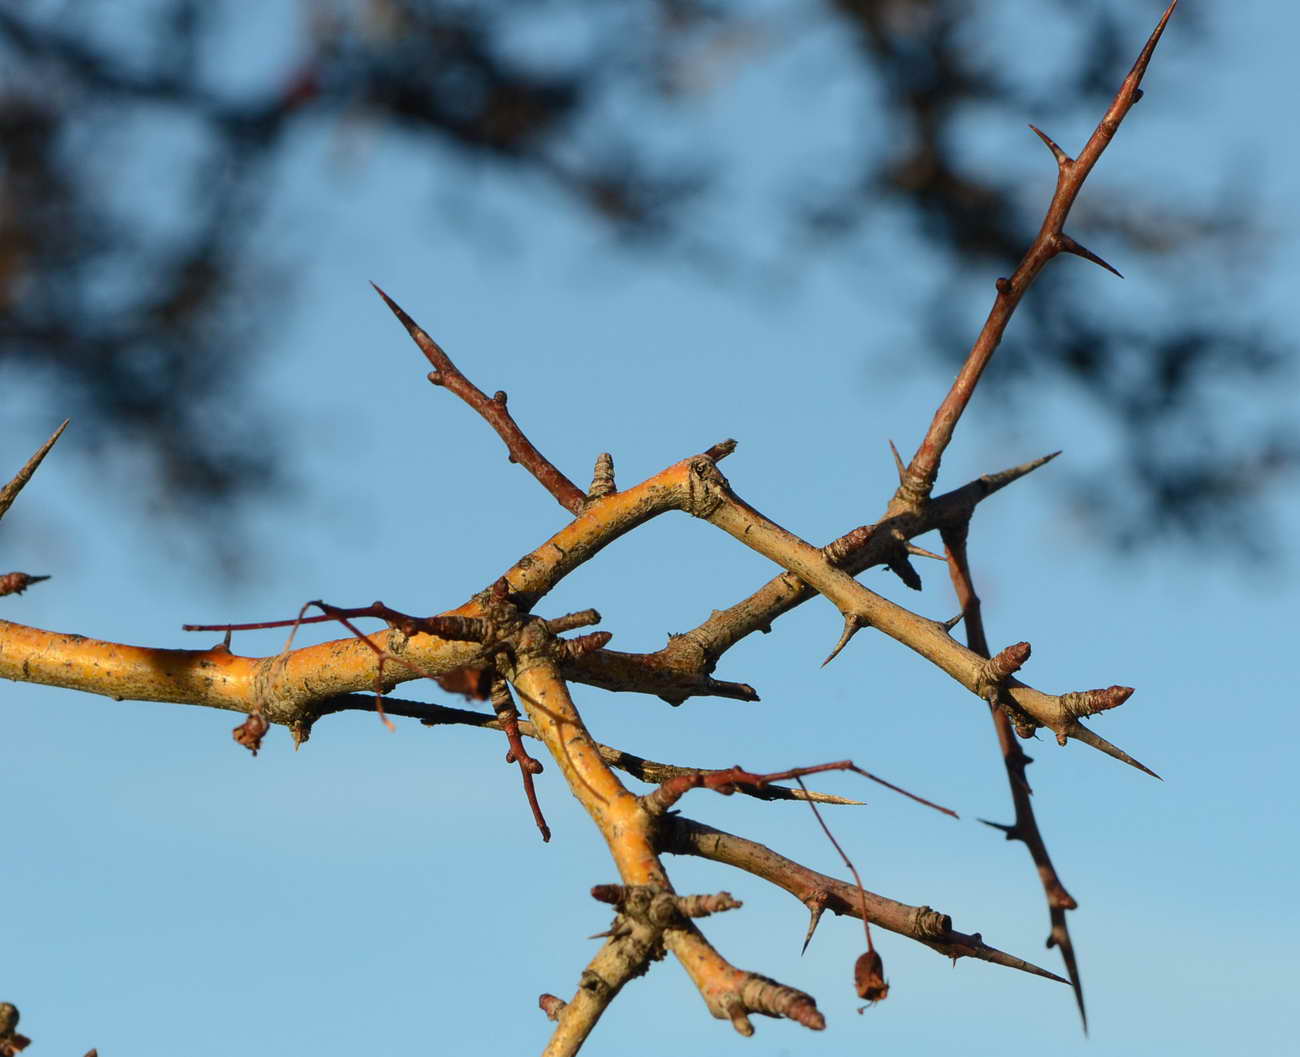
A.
pixel 993 481
pixel 957 945
pixel 10 491
pixel 1135 75
pixel 431 349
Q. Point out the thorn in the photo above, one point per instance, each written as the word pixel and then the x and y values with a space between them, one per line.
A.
pixel 993 481
pixel 921 552
pixel 1062 159
pixel 820 798
pixel 10 491
pixel 1010 831
pixel 1067 245
pixel 952 622
pixel 898 463
pixel 815 916
pixel 852 625
pixel 1081 733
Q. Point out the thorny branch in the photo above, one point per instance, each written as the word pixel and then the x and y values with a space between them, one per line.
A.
pixel 1050 242
pixel 1025 828
pixel 496 637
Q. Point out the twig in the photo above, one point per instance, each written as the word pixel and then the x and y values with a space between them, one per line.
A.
pixel 687 660
pixel 1051 240
pixel 713 500
pixel 1025 828
pixel 737 778
pixel 508 719
pixel 684 836
pixel 493 410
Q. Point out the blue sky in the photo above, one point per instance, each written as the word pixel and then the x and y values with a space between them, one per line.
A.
pixel 387 892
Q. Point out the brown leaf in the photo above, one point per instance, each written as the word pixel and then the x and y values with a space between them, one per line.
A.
pixel 869 978
pixel 474 683
pixel 11 1044
pixel 250 733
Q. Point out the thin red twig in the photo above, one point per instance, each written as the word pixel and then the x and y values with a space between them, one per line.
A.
pixel 1050 241
pixel 493 410
pixel 1025 828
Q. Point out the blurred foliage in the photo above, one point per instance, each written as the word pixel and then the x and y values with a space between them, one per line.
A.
pixel 147 331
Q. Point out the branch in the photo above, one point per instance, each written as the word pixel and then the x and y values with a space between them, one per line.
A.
pixel 493 410
pixel 638 767
pixel 818 892
pixel 681 669
pixel 628 828
pixel 1025 827
pixel 1051 240
pixel 714 501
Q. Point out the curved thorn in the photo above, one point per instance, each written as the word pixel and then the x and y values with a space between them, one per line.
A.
pixel 1062 159
pixel 815 916
pixel 852 625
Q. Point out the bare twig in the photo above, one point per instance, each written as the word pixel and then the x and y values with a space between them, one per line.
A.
pixel 493 410
pixel 1025 828
pixel 1051 240
pixel 678 835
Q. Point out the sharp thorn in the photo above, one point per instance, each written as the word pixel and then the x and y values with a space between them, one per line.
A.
pixel 1062 159
pixel 815 917
pixel 1081 733
pixel 1068 245
pixel 852 625
pixel 993 481
pixel 921 552
pixel 10 491
pixel 898 463
pixel 952 622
